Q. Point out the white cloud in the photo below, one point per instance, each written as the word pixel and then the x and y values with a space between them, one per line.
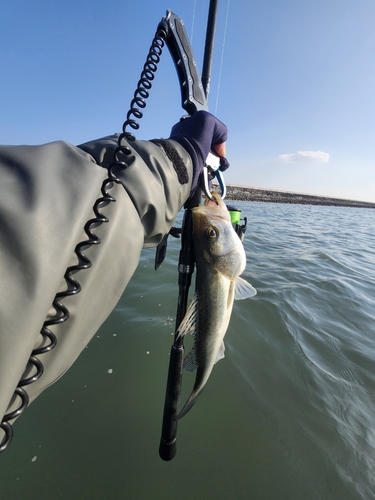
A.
pixel 305 156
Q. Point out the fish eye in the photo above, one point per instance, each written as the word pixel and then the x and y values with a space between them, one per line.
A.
pixel 211 233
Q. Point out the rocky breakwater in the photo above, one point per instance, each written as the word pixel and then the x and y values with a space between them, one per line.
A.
pixel 243 193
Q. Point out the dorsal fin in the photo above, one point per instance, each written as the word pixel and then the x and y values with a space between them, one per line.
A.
pixel 189 324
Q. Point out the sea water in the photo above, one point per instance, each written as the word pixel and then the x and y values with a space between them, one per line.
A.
pixel 289 413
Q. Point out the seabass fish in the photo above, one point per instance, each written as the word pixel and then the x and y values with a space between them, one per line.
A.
pixel 220 259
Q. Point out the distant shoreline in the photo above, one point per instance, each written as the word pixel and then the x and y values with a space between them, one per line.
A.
pixel 243 193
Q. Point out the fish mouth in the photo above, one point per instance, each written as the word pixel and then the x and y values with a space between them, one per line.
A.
pixel 217 202
pixel 213 208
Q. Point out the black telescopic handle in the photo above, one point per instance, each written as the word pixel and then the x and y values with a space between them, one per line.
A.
pixel 167 448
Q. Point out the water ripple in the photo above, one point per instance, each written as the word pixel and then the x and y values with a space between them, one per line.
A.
pixel 315 276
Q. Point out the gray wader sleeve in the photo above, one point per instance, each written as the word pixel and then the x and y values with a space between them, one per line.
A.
pixel 47 194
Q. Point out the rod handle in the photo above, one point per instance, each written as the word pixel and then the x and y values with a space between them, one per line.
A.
pixel 168 445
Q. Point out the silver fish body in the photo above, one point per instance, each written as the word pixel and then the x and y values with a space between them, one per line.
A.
pixel 220 259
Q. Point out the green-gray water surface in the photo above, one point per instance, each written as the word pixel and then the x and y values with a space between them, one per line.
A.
pixel 288 414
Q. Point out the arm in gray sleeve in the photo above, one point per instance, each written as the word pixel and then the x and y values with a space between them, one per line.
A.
pixel 47 194
pixel 159 190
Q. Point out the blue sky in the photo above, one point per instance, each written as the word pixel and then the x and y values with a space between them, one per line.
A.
pixel 296 88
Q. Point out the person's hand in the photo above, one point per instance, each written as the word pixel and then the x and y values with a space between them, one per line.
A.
pixel 198 134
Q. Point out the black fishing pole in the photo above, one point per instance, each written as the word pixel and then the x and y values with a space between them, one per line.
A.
pixel 167 448
pixel 209 47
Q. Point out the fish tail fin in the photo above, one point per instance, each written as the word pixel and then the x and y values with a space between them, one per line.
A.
pixel 200 382
pixel 189 403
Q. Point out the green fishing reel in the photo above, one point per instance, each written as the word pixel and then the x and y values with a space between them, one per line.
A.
pixel 235 217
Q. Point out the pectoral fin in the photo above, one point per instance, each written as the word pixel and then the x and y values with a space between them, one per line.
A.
pixel 243 289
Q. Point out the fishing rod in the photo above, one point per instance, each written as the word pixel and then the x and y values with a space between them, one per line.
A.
pixel 168 441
